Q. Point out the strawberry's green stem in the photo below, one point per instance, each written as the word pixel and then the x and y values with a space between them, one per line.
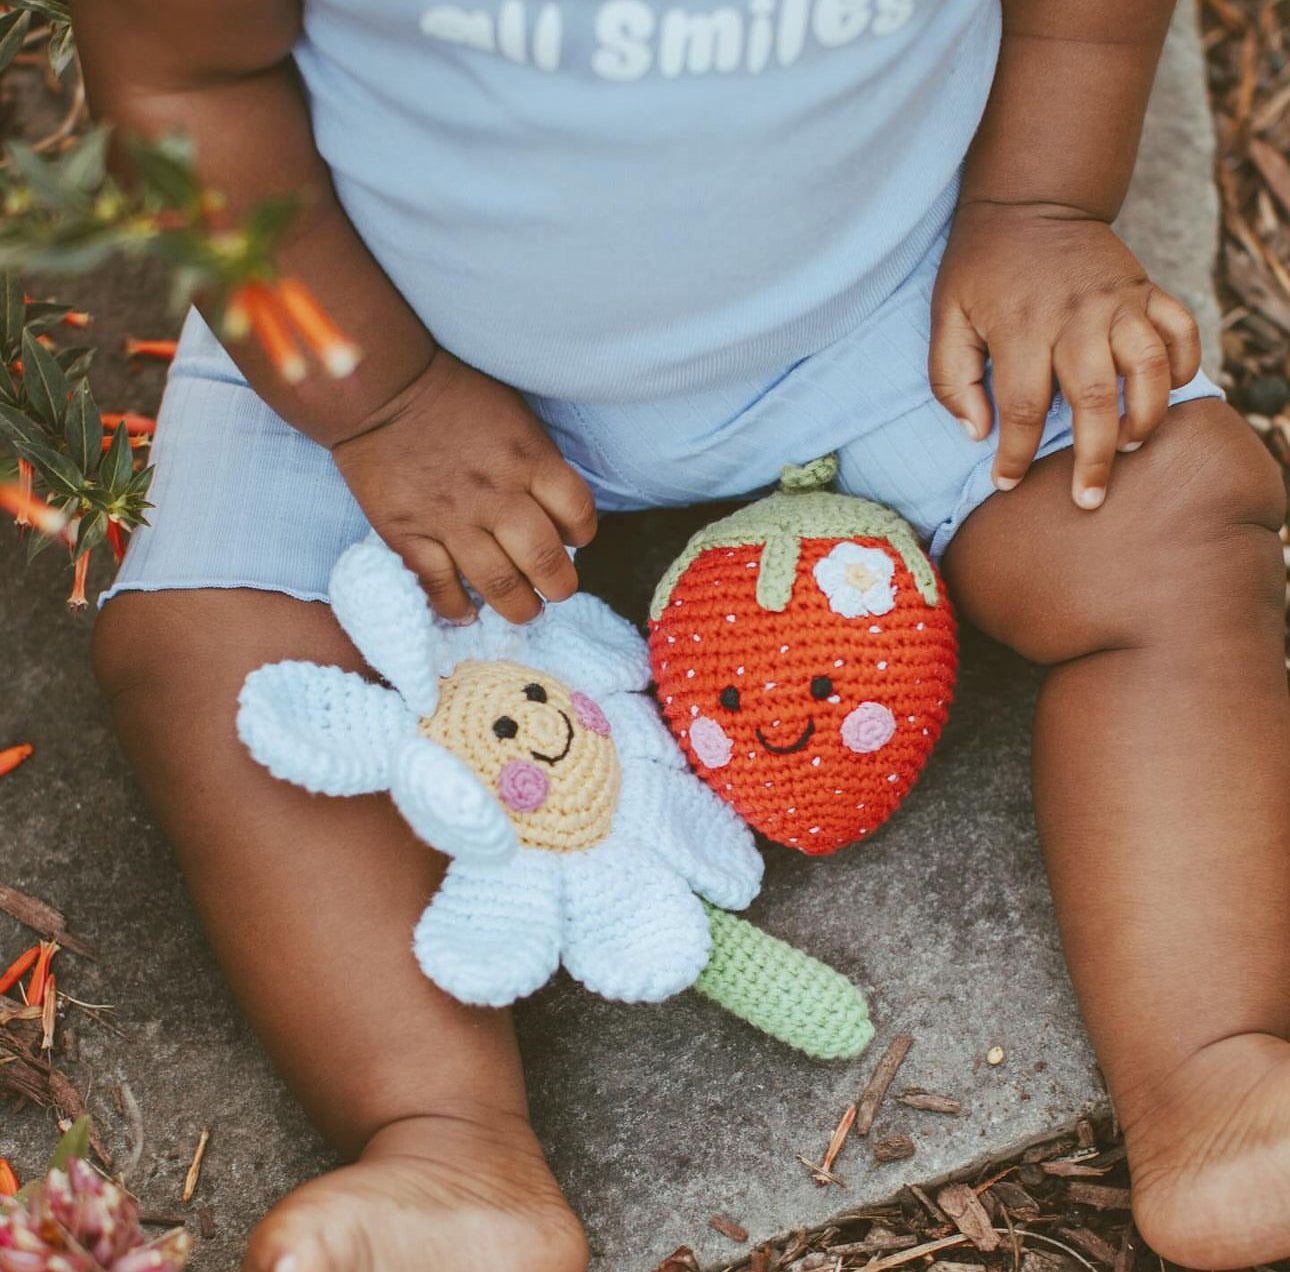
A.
pixel 782 991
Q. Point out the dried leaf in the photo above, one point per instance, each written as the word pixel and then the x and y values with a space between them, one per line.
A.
pixel 964 1208
pixel 680 1260
pixel 728 1228
pixel 893 1148
pixel 1274 169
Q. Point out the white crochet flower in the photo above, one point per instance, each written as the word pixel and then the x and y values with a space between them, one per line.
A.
pixel 857 580
pixel 530 756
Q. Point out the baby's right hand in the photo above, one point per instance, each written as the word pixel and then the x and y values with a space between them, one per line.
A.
pixel 459 478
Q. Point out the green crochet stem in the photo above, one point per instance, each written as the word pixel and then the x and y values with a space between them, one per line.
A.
pixel 782 991
pixel 799 509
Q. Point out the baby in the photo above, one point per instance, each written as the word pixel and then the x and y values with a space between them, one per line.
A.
pixel 623 253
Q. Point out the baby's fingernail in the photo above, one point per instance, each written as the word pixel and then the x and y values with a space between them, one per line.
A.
pixel 1005 483
pixel 969 428
pixel 288 1263
pixel 464 621
pixel 1127 448
pixel 1090 496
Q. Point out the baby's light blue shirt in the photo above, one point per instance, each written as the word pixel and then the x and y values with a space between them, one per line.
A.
pixel 620 200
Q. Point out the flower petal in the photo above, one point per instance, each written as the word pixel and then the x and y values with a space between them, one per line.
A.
pixel 325 729
pixel 447 805
pixel 492 933
pixel 380 604
pixel 694 831
pixel 633 930
pixel 590 647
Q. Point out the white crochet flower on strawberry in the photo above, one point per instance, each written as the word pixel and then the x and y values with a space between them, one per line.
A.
pixel 857 580
pixel 532 757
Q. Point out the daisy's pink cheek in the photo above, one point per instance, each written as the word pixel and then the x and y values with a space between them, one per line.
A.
pixel 522 786
pixel 869 727
pixel 711 743
pixel 589 714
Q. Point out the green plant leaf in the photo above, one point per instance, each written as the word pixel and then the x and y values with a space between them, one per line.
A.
pixel 45 180
pixel 12 312
pixel 61 49
pixel 13 30
pixel 166 167
pixel 76 1143
pixel 43 381
pixel 57 472
pixel 36 544
pixel 90 532
pixel 85 165
pixel 83 429
pixel 18 426
pixel 117 464
pixel 139 484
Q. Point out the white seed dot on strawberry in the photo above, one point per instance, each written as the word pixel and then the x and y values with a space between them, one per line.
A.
pixel 696 637
pixel 891 777
pixel 918 627
pixel 694 710
pixel 815 830
pixel 875 630
pixel 689 675
pixel 774 724
pixel 752 565
pixel 837 662
pixel 739 671
pixel 677 603
pixel 752 755
pixel 815 763
pixel 783 649
pixel 882 666
pixel 835 697
pixel 910 719
pixel 730 618
pixel 770 684
pixel 793 809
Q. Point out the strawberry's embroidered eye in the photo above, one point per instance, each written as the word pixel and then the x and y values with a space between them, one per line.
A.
pixel 729 698
pixel 535 693
pixel 505 727
pixel 821 687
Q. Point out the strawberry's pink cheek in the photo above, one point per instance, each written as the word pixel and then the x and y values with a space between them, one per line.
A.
pixel 711 743
pixel 868 728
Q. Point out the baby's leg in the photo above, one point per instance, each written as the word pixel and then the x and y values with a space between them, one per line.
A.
pixel 1162 787
pixel 310 904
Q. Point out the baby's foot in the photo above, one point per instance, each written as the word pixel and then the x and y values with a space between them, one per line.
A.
pixel 1211 1157
pixel 434 1192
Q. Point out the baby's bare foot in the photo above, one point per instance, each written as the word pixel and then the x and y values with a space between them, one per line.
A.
pixel 1211 1157
pixel 446 1193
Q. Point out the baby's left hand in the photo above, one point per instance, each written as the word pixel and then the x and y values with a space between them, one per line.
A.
pixel 1047 294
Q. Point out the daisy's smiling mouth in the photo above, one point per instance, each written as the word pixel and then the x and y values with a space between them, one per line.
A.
pixel 568 742
pixel 803 738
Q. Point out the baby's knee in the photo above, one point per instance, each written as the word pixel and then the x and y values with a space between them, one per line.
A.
pixel 1216 499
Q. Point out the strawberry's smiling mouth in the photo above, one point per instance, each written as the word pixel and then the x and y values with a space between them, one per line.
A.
pixel 802 740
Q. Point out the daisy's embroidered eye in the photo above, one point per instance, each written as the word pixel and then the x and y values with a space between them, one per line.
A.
pixel 535 693
pixel 821 687
pixel 729 698
pixel 505 727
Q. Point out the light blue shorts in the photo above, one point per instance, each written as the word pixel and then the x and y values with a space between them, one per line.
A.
pixel 243 500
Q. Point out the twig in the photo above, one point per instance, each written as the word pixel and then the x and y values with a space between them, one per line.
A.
pixel 195 1170
pixel 42 918
pixel 871 1096
pixel 130 1108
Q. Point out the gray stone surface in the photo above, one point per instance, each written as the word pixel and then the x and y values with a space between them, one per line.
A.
pixel 655 1117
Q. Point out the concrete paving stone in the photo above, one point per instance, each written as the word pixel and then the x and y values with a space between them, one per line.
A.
pixel 658 1117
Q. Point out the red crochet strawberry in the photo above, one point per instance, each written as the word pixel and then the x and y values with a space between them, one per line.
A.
pixel 805 652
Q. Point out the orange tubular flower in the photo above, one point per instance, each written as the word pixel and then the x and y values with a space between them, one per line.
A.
pixel 116 540
pixel 19 968
pixel 76 598
pixel 25 474
pixel 265 315
pixel 8 1179
pixel 134 423
pixel 150 348
pixel 41 979
pixel 14 500
pixel 338 354
pixel 11 757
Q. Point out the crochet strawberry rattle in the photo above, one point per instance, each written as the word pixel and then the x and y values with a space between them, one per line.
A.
pixel 576 834
pixel 805 654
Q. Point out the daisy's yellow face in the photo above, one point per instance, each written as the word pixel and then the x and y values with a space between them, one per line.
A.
pixel 545 751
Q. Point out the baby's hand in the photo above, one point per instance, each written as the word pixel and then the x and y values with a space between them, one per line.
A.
pixel 459 478
pixel 1046 293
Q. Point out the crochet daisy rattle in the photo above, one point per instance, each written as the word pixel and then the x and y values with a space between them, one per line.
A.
pixel 576 834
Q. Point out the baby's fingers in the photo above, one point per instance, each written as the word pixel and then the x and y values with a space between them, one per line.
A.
pixel 567 500
pixel 526 534
pixel 431 562
pixel 956 369
pixel 497 578
pixel 1086 373
pixel 1142 359
pixel 1177 328
pixel 1023 392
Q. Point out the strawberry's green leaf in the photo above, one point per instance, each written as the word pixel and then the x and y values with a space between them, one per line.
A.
pixel 86 165
pixel 12 312
pixel 117 464
pixel 76 1143
pixel 90 532
pixel 83 429
pixel 13 30
pixel 62 48
pixel 43 381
